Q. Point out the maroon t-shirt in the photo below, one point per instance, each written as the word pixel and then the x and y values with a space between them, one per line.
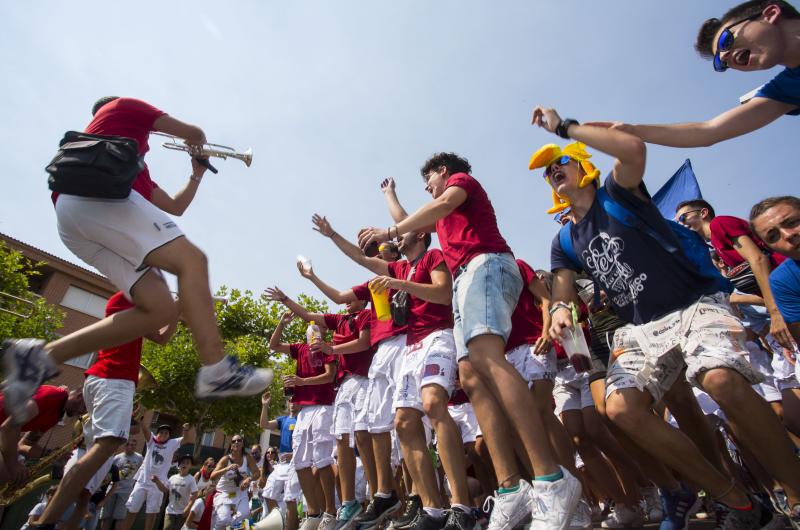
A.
pixel 526 321
pixel 471 229
pixel 347 328
pixel 50 400
pixel 459 397
pixel 131 118
pixel 379 329
pixel 310 364
pixel 724 229
pixel 120 362
pixel 423 317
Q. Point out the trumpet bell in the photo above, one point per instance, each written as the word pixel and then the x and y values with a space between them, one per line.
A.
pixel 273 521
pixel 146 379
pixel 247 157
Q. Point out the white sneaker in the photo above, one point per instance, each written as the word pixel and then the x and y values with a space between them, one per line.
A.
pixel 312 523
pixel 509 508
pixel 231 379
pixel 26 366
pixel 582 518
pixel 652 505
pixel 327 522
pixel 624 517
pixel 555 502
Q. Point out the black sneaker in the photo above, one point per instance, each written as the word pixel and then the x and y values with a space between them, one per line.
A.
pixel 460 520
pixel 744 519
pixel 425 521
pixel 377 511
pixel 26 366
pixel 413 506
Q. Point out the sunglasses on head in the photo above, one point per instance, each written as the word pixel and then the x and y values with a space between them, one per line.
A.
pixel 725 43
pixel 563 161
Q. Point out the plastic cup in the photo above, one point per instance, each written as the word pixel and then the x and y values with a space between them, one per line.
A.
pixel 304 262
pixel 380 301
pixel 574 344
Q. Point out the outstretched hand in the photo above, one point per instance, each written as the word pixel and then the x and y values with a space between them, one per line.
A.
pixel 273 294
pixel 322 225
pixel 369 235
pixel 387 184
pixel 546 118
pixel 305 272
pixel 265 397
pixel 287 317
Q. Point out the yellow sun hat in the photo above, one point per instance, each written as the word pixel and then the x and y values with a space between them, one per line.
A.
pixel 547 154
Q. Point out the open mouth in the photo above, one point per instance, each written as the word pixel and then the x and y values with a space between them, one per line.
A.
pixel 557 177
pixel 741 57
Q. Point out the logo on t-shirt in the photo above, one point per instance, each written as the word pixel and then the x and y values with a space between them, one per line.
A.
pixel 158 458
pixel 603 259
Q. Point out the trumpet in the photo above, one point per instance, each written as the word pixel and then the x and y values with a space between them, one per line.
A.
pixel 208 150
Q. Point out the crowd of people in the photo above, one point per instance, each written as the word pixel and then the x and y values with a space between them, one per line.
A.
pixel 652 362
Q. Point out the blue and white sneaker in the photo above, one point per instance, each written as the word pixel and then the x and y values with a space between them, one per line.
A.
pixel 232 379
pixel 26 366
pixel 677 507
pixel 346 516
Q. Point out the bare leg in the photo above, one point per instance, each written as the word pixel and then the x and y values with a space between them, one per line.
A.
pixel 451 446
pixel 149 521
pixel 791 412
pixel 364 443
pixel 754 424
pixel 486 353
pixel 328 484
pixel 627 471
pixel 411 433
pixel 347 468
pixel 310 486
pixel 292 521
pixel 382 446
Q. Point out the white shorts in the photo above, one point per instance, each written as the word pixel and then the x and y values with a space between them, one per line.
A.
pixel 380 389
pixel 97 479
pixel 144 493
pixel 114 235
pixel 349 410
pixel 312 439
pixel 533 367
pixel 464 416
pixel 761 362
pixel 571 390
pixel 109 403
pixel 785 374
pixel 282 484
pixel 702 336
pixel 431 361
pixel 230 508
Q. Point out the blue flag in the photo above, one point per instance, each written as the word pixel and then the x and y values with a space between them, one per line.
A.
pixel 682 186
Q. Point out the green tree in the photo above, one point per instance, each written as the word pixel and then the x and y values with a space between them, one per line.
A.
pixel 44 319
pixel 246 324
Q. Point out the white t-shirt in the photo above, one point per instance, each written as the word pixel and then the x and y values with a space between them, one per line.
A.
pixel 158 459
pixel 127 466
pixel 196 512
pixel 180 489
pixel 37 511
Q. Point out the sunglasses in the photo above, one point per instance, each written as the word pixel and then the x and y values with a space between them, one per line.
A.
pixel 236 441
pixel 682 217
pixel 725 43
pixel 563 161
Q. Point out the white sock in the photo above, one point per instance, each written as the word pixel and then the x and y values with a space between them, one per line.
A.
pixel 436 513
pixel 465 509
pixel 383 495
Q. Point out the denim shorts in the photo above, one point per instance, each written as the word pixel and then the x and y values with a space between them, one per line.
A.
pixel 485 294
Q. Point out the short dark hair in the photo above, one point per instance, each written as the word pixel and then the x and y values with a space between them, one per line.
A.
pixel 697 203
pixel 705 36
pixel 101 102
pixel 453 163
pixel 184 457
pixel 428 239
pixel 762 206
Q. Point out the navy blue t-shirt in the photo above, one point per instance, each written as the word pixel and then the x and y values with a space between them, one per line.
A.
pixel 643 281
pixel 784 87
pixel 785 284
pixel 286 425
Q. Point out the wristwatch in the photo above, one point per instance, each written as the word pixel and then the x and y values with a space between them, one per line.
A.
pixel 563 126
pixel 559 305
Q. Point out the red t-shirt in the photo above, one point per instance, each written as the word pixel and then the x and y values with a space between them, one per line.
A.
pixel 347 328
pixel 131 118
pixel 423 317
pixel 310 364
pixel 121 362
pixel 526 321
pixel 50 400
pixel 459 397
pixel 724 229
pixel 379 329
pixel 471 229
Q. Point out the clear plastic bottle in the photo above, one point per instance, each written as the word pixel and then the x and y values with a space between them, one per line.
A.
pixel 313 333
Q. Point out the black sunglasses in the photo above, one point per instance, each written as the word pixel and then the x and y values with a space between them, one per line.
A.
pixel 725 43
pixel 682 217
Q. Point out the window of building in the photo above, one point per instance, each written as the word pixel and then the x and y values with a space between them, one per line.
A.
pixel 208 439
pixel 85 302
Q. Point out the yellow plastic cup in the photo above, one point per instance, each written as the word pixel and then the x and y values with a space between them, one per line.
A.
pixel 380 301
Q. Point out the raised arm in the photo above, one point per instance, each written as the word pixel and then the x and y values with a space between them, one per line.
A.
pixel 439 291
pixel 335 295
pixel 178 203
pixel 737 121
pixel 376 265
pixel 629 150
pixel 264 422
pixel 193 134
pixel 396 210
pixel 145 429
pixel 188 434
pixel 274 294
pixel 275 343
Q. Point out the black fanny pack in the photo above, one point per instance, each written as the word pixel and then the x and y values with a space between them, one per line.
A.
pixel 93 165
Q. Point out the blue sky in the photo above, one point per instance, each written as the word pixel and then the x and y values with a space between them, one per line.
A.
pixel 335 96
